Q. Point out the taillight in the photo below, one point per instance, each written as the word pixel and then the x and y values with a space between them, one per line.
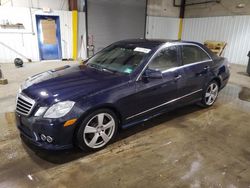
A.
pixel 227 63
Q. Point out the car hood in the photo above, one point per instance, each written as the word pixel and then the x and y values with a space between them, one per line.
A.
pixel 70 83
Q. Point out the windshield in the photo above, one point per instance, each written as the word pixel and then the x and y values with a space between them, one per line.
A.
pixel 118 59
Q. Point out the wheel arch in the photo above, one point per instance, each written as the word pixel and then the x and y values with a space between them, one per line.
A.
pixel 104 106
pixel 218 79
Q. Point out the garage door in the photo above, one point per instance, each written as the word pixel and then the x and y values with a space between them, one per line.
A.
pixel 113 20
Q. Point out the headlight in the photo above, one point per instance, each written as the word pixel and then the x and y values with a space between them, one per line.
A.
pixel 59 109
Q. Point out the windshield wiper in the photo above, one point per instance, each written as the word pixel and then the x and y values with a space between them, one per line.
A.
pixel 109 70
pixel 99 67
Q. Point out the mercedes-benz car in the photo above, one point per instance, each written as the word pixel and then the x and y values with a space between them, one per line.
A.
pixel 124 84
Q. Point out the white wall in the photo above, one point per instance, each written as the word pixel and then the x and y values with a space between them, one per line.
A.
pixel 53 4
pixel 162 27
pixel 222 8
pixel 235 30
pixel 162 8
pixel 25 40
pixel 82 47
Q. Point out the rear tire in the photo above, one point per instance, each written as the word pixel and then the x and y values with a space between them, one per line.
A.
pixel 210 94
pixel 97 130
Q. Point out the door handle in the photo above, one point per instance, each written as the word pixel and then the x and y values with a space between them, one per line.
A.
pixel 206 68
pixel 177 77
pixel 204 71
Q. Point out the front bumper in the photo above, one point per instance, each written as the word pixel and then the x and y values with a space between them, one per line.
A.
pixel 32 127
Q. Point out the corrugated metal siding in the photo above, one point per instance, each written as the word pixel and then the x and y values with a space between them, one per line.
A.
pixel 235 30
pixel 25 42
pixel 162 27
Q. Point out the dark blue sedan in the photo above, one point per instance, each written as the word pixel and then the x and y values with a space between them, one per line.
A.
pixel 124 84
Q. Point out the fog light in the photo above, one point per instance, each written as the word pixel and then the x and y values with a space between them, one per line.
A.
pixel 43 137
pixel 49 139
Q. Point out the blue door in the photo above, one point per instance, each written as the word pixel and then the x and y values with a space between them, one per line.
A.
pixel 49 37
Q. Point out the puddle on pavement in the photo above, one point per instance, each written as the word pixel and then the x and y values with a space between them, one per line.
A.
pixel 235 95
pixel 10 118
pixel 7 126
pixel 243 73
pixel 244 94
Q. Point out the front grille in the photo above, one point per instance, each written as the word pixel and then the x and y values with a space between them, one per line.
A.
pixel 24 105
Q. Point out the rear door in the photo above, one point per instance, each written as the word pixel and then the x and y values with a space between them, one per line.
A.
pixel 194 71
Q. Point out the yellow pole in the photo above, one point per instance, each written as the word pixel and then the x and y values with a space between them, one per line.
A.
pixel 180 29
pixel 74 33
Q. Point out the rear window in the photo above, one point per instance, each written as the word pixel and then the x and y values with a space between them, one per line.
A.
pixel 193 54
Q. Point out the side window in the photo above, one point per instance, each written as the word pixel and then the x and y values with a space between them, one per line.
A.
pixel 165 59
pixel 192 54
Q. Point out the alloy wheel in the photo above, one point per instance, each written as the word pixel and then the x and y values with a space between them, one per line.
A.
pixel 99 130
pixel 211 93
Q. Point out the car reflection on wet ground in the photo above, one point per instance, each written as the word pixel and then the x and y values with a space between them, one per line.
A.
pixel 188 147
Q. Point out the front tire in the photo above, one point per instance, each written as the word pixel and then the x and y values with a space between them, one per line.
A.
pixel 97 130
pixel 211 93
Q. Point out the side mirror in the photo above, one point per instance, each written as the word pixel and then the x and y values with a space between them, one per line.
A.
pixel 152 74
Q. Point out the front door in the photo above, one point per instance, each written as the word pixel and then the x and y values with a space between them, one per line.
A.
pixel 154 94
pixel 49 39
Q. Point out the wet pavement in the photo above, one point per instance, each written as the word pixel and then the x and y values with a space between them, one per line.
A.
pixel 188 147
pixel 244 94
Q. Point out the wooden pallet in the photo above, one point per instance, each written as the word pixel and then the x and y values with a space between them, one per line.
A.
pixel 3 81
pixel 216 46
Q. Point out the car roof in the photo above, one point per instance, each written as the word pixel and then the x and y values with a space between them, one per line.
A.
pixel 150 43
pixel 156 43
